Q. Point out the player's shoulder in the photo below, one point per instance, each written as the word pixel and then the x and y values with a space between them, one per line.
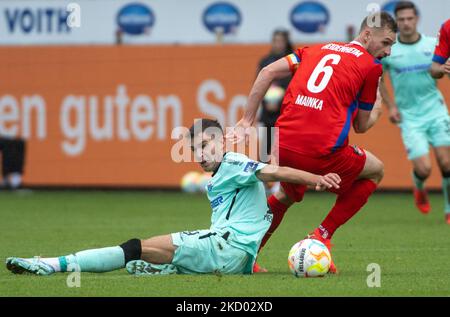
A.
pixel 372 63
pixel 239 161
pixel 446 26
pixel 428 40
pixel 300 51
pixel 444 31
pixel 234 158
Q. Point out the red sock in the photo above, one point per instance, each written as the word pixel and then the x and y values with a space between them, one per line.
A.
pixel 346 206
pixel 278 210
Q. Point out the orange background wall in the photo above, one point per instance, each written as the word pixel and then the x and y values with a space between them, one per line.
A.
pixel 57 72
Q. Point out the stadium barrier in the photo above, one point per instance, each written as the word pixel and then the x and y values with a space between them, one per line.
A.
pixel 103 115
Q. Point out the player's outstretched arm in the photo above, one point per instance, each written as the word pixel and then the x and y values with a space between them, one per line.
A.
pixel 438 70
pixel 273 173
pixel 277 70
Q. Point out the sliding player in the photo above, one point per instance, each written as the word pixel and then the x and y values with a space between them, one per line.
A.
pixel 240 218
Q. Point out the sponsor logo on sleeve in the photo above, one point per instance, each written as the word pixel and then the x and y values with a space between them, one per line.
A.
pixel 251 167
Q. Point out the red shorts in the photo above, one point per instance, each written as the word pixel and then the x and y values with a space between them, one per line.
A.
pixel 347 162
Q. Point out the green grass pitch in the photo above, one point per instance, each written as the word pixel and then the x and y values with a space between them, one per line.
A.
pixel 412 250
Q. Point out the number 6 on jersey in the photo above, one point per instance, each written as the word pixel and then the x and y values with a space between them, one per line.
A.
pixel 322 68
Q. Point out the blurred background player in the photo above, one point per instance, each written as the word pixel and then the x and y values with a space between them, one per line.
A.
pixel 441 57
pixel 240 218
pixel 419 108
pixel 326 96
pixel 12 155
pixel 271 104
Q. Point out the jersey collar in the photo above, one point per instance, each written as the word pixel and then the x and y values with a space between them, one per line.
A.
pixel 218 166
pixel 409 43
pixel 357 43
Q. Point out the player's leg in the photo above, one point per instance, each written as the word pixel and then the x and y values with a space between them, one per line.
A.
pixel 190 252
pixel 353 196
pixel 278 202
pixel 156 257
pixel 92 260
pixel 287 194
pixel 158 250
pixel 373 169
pixel 415 140
pixel 421 172
pixel 443 158
pixel 13 153
pixel 439 135
pixel 360 174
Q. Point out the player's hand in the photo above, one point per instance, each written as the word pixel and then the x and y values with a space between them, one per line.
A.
pixel 394 115
pixel 446 67
pixel 240 132
pixel 330 180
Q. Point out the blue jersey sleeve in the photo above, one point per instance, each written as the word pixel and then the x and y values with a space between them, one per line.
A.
pixel 240 169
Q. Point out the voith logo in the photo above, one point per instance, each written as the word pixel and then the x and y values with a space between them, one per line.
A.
pixel 135 19
pixel 35 20
pixel 222 17
pixel 310 17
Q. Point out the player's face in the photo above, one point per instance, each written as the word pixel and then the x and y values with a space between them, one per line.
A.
pixel 380 41
pixel 278 44
pixel 407 22
pixel 208 150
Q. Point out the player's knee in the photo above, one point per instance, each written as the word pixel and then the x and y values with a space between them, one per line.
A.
pixel 378 171
pixel 381 172
pixel 444 165
pixel 132 249
pixel 282 197
pixel 423 171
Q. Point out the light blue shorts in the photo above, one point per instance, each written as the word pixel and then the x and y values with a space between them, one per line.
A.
pixel 418 136
pixel 203 251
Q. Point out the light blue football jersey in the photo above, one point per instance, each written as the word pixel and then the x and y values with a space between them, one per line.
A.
pixel 238 202
pixel 416 94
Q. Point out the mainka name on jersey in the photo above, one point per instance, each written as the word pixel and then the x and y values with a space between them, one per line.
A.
pixel 309 102
pixel 343 49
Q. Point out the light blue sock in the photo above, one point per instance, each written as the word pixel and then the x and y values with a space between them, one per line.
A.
pixel 418 182
pixel 94 260
pixel 446 191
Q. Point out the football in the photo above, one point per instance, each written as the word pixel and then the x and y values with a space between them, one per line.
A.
pixel 203 182
pixel 274 94
pixel 309 258
pixel 190 182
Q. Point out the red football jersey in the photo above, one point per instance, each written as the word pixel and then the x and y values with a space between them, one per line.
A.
pixel 330 83
pixel 442 51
